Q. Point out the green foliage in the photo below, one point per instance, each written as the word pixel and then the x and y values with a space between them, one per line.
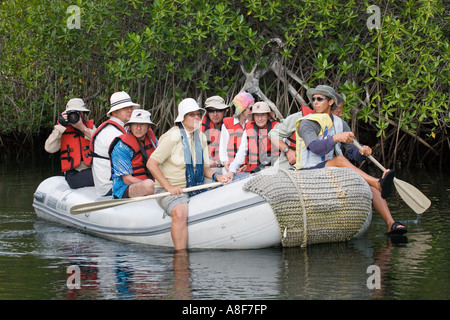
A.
pixel 164 50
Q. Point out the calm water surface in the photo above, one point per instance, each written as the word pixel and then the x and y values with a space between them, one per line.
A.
pixel 35 255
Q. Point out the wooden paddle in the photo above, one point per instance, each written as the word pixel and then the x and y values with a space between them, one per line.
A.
pixel 415 199
pixel 98 205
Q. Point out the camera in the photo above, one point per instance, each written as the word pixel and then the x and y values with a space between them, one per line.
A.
pixel 73 117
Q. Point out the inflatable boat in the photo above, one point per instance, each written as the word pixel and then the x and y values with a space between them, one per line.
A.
pixel 270 208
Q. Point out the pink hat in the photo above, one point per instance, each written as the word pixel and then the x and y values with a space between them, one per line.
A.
pixel 242 101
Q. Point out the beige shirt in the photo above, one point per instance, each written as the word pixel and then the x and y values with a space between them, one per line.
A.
pixel 169 154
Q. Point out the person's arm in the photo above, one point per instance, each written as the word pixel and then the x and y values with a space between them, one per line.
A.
pixel 283 130
pixel 53 142
pixel 83 128
pixel 156 172
pixel 223 144
pixel 209 173
pixel 121 157
pixel 353 152
pixel 166 145
pixel 239 158
pixel 309 131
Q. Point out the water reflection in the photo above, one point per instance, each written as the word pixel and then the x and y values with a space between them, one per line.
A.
pixel 113 270
pixel 402 265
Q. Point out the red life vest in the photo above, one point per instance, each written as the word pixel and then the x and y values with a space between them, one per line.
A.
pixel 212 133
pixel 74 147
pixel 236 131
pixel 141 152
pixel 293 139
pixel 99 129
pixel 259 146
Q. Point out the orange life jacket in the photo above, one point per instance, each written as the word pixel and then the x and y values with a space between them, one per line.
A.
pixel 99 129
pixel 236 131
pixel 141 152
pixel 259 146
pixel 74 147
pixel 212 133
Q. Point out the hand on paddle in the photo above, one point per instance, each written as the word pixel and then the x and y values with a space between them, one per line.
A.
pixel 174 190
pixel 366 151
pixel 347 137
pixel 344 137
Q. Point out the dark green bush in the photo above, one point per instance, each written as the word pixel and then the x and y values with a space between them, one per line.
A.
pixel 395 78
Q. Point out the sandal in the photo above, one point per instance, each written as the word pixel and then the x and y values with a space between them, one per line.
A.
pixel 397 228
pixel 386 183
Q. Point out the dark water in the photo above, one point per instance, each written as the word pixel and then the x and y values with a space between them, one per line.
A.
pixel 35 256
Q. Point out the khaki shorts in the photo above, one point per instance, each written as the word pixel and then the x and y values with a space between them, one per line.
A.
pixel 169 202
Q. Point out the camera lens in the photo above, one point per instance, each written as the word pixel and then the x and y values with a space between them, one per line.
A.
pixel 73 117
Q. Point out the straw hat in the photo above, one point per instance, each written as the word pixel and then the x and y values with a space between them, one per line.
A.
pixel 188 105
pixel 120 100
pixel 76 104
pixel 261 107
pixel 140 116
pixel 325 91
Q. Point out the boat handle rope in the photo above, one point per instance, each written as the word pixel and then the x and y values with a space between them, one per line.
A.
pixel 302 202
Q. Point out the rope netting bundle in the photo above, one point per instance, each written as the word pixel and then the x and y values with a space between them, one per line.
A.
pixel 315 206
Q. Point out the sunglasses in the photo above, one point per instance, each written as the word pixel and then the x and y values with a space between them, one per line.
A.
pixel 320 99
pixel 214 111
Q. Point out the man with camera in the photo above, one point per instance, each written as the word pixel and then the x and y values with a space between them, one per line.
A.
pixel 71 135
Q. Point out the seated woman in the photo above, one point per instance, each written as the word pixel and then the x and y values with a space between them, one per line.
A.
pixel 129 154
pixel 179 162
pixel 255 149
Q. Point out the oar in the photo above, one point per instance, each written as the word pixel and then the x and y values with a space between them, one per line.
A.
pixel 98 205
pixel 415 199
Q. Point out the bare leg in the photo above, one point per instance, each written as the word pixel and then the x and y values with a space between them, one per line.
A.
pixel 143 188
pixel 179 230
pixel 343 162
pixel 379 204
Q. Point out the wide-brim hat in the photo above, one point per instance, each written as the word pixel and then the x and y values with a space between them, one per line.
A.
pixel 120 100
pixel 186 106
pixel 323 90
pixel 242 101
pixel 215 102
pixel 140 116
pixel 261 107
pixel 76 104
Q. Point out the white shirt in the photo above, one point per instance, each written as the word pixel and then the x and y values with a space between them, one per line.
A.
pixel 101 168
pixel 242 152
pixel 224 138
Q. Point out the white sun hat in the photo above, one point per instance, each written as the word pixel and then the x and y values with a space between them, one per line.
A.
pixel 76 104
pixel 120 100
pixel 140 116
pixel 188 105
